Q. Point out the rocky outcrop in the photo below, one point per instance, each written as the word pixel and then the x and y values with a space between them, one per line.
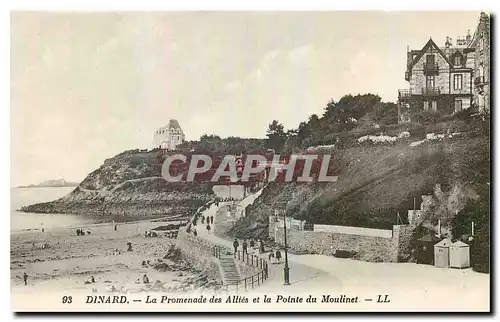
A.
pixel 129 185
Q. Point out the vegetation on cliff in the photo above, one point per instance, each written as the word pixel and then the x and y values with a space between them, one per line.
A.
pixel 129 184
pixel 378 181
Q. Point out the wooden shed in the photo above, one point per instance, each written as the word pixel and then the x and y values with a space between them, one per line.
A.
pixel 425 249
pixel 442 253
pixel 459 255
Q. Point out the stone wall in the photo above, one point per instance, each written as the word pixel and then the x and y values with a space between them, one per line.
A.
pixel 199 253
pixel 386 249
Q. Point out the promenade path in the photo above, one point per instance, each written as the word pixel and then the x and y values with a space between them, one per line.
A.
pixel 302 276
pixel 410 286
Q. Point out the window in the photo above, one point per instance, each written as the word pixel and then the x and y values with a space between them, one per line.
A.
pixel 430 82
pixel 457 61
pixel 458 105
pixel 434 105
pixel 426 105
pixel 457 81
pixel 429 59
pixel 481 43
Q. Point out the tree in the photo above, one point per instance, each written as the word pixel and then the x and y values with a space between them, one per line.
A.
pixel 276 136
pixel 446 206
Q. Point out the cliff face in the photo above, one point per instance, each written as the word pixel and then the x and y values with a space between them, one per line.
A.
pixel 129 184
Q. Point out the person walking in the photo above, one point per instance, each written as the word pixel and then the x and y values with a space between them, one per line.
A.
pixel 208 228
pixel 92 279
pixel 145 279
pixel 212 220
pixel 203 219
pixel 235 245
pixel 245 246
pixel 195 233
pixel 271 257
pixel 261 246
pixel 25 278
pixel 278 256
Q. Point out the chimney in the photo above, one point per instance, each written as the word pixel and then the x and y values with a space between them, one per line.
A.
pixel 447 44
pixel 468 37
pixel 439 228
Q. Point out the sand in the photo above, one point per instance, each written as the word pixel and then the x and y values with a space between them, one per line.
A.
pixel 70 260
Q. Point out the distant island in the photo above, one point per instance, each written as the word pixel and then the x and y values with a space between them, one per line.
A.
pixel 52 184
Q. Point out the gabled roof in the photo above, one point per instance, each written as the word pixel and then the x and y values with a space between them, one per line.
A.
pixel 444 243
pixel 424 50
pixel 459 243
pixel 429 238
pixel 174 124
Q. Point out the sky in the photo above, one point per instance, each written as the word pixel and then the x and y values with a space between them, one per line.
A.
pixel 87 86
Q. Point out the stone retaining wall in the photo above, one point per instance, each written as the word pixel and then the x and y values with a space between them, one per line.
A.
pixel 386 249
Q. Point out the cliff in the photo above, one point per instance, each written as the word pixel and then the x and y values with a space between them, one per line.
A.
pixel 129 185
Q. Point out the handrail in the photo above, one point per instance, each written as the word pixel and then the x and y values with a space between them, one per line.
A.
pixel 253 261
pixel 255 279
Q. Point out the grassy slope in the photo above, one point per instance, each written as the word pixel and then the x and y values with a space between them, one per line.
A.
pixel 376 182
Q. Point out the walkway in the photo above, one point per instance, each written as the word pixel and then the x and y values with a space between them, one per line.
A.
pixel 301 276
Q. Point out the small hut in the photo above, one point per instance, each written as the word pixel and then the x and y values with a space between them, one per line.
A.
pixel 442 253
pixel 425 249
pixel 459 255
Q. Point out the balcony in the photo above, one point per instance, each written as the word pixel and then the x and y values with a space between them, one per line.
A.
pixel 431 91
pixel 407 76
pixel 479 81
pixel 404 93
pixel 431 68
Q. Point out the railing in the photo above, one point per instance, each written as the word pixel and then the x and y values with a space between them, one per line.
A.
pixel 431 67
pixel 431 91
pixel 254 280
pixel 404 93
pixel 251 260
pixel 479 80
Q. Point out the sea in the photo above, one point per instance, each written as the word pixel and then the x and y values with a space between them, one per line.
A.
pixel 22 221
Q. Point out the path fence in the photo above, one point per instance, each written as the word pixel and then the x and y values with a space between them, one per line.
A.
pixel 254 280
pixel 249 282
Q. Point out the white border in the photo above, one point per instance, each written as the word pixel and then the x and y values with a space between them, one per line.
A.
pixel 148 5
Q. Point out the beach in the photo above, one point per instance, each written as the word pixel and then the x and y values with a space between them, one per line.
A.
pixel 70 260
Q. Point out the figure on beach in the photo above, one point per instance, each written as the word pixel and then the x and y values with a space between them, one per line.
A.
pixel 208 228
pixel 145 279
pixel 195 233
pixel 92 279
pixel 116 227
pixel 212 220
pixel 129 247
pixel 25 278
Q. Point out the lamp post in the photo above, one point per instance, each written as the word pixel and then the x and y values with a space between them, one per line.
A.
pixel 286 269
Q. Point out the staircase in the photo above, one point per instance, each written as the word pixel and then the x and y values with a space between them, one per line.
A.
pixel 228 269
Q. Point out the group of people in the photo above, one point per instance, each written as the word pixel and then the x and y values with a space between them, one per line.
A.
pixel 275 257
pixel 253 245
pixel 149 233
pixel 83 232
pixel 210 219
